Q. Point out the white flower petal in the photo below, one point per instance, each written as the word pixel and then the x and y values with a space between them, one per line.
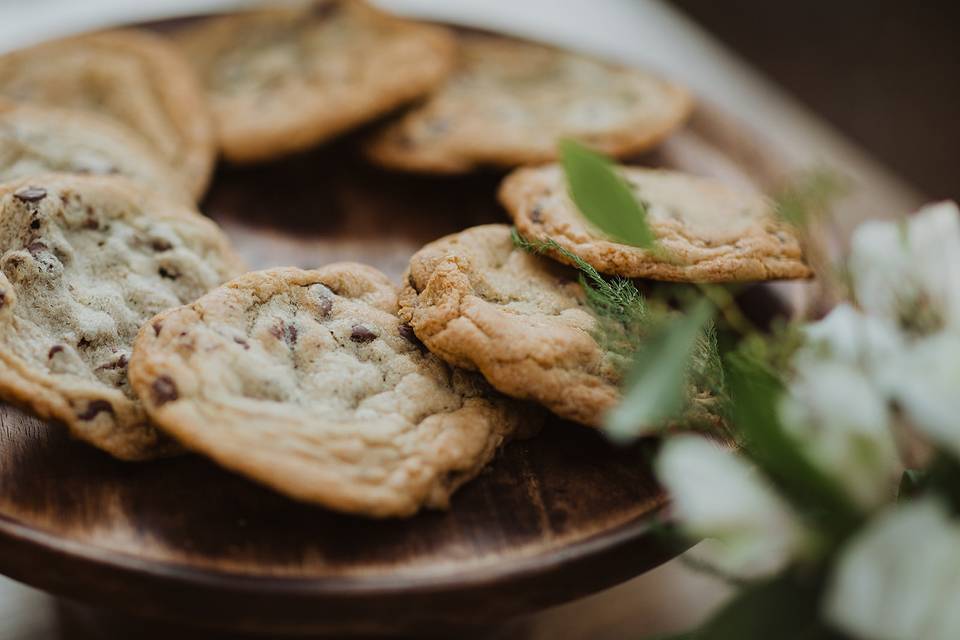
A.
pixel 925 382
pixel 717 494
pixel 909 272
pixel 848 336
pixel 842 422
pixel 900 578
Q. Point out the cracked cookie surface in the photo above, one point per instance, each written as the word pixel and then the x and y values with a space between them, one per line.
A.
pixel 508 102
pixel 137 78
pixel 36 140
pixel 308 382
pixel 709 232
pixel 481 303
pixel 84 262
pixel 283 80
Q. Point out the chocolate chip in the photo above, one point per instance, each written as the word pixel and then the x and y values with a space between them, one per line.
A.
pixel 537 214
pixel 157 328
pixel 160 245
pixel 35 224
pixel 326 306
pixel 83 344
pixel 91 223
pixel 243 343
pixel 164 390
pixel 54 350
pixel 282 331
pixel 119 363
pixel 324 9
pixel 406 332
pixel 167 274
pixel 94 409
pixel 31 194
pixel 3 298
pixel 360 334
pixel 36 247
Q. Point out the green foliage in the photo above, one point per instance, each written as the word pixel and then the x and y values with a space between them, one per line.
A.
pixel 624 318
pixel 755 394
pixel 911 484
pixel 941 477
pixel 631 327
pixel 809 197
pixel 659 384
pixel 604 197
pixel 786 608
pixel 774 350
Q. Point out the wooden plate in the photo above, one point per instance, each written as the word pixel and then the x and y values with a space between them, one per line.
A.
pixel 554 518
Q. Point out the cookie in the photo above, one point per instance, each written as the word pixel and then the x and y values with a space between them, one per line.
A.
pixel 508 103
pixel 708 232
pixel 36 140
pixel 283 80
pixel 481 303
pixel 307 381
pixel 84 262
pixel 134 77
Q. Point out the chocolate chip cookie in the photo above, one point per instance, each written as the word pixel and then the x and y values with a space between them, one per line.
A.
pixel 36 140
pixel 308 382
pixel 84 262
pixel 508 103
pixel 481 303
pixel 134 77
pixel 283 80
pixel 707 232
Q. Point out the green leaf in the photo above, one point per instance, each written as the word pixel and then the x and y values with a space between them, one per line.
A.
pixel 657 389
pixel 911 483
pixel 784 608
pixel 755 394
pixel 942 477
pixel 809 197
pixel 604 197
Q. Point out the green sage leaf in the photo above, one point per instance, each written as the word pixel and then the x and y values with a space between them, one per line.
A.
pixel 659 381
pixel 604 197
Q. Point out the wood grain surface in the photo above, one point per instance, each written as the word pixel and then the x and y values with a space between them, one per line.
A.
pixel 554 518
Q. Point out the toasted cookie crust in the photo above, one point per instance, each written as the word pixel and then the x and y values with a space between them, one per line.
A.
pixel 708 232
pixel 508 103
pixel 84 262
pixel 36 140
pixel 481 303
pixel 308 382
pixel 283 80
pixel 134 77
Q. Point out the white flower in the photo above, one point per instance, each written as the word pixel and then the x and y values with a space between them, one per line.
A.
pixel 842 421
pixel 848 336
pixel 900 578
pixel 925 382
pixel 717 494
pixel 909 272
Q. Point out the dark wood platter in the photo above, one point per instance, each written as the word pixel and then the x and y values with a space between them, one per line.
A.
pixel 554 518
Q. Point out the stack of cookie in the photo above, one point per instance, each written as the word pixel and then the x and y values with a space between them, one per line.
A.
pixel 126 314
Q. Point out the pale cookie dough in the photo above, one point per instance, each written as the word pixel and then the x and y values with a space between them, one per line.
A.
pixel 508 103
pixel 283 80
pixel 136 78
pixel 481 303
pixel 36 140
pixel 308 382
pixel 84 262
pixel 707 232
